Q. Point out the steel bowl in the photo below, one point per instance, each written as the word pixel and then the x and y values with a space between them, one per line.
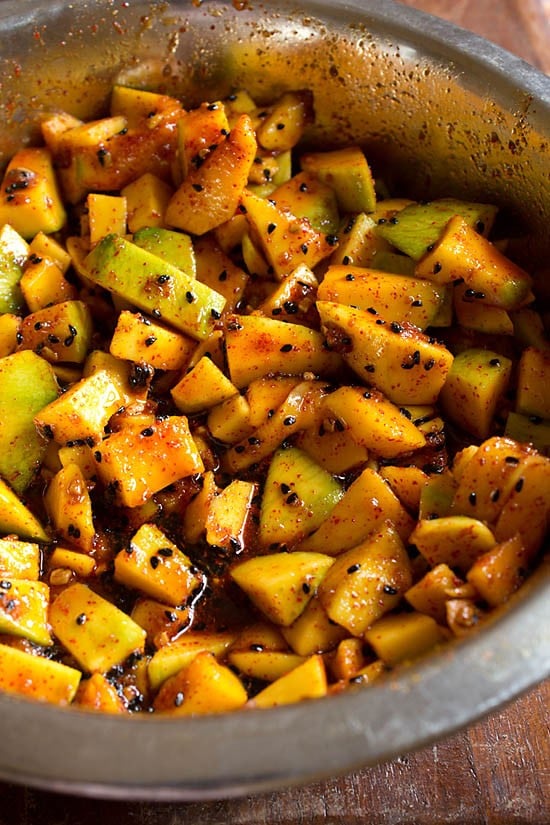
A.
pixel 448 113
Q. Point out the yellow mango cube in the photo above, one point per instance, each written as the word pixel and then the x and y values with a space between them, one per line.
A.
pixel 307 681
pixel 36 677
pixel 157 567
pixel 138 464
pixel 19 559
pixel 139 339
pixel 204 386
pixel 30 200
pixel 147 199
pixel 403 636
pixel 205 686
pixel 106 214
pixel 24 610
pixel 98 694
pixel 173 657
pixel 93 630
pixel 69 507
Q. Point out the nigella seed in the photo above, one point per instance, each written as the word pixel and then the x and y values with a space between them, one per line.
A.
pixel 472 498
pixel 436 268
pixel 372 311
pixel 303 187
pixel 289 420
pixel 350 276
pixel 495 495
pixel 370 368
pixel 165 551
pixel 223 275
pixel 101 155
pixel 345 261
pixel 98 457
pixel 68 341
pixel 235 544
pixel 519 485
pixel 256 648
pixel 354 568
pixel 179 699
pixel 147 432
pixel 494 362
pixel 240 448
pixel 163 279
pixel 19 337
pixel 406 413
pixel 511 459
pixel 81 618
pixel 38 326
pixel 271 227
pixel 253 441
pixel 429 364
pixel 535 419
pixel 286 348
pixel 394 220
pixel 395 327
pixel 285 489
pixel 197 187
pixel 389 590
pixel 417 302
pixel 5 585
pixel 267 174
pixel 276 311
pixel 306 588
pixel 291 307
pixel 189 297
pixel 367 395
pixel 332 240
pixel 154 561
pixel 150 341
pixel 304 248
pixel 215 314
pixel 292 498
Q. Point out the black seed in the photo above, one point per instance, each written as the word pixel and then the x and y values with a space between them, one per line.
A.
pixel 511 459
pixel 212 107
pixel 276 310
pixel 437 268
pixel 215 314
pixel 148 432
pixel 197 187
pixel 38 325
pixel 189 297
pixel 350 276
pixel 68 341
pixel 306 588
pixel 150 341
pixel 98 457
pixel 304 248
pixel 519 485
pixel 240 448
pixel 480 226
pixel 267 174
pixel 271 227
pixel 372 311
pixel 163 279
pixel 370 368
pixel 291 307
pixel 354 568
pixel 5 585
pixel 289 420
pixel 535 419
pixel 101 155
pixel 303 187
pixel 345 261
pixel 395 327
pixel 293 498
pixel 428 365
pixel 286 348
pixel 417 302
pixel 154 561
pixel 253 441
pixel 235 544
pixel 81 619
pixel 223 275
pixel 285 490
pixel 389 590
pixel 472 498
pixel 367 395
pixel 494 362
pixel 495 495
pixel 165 551
pixel 332 240
pixel 256 648
pixel 406 413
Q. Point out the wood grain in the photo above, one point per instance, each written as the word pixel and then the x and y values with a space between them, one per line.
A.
pixel 495 773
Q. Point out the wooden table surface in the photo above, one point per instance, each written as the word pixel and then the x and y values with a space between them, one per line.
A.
pixel 495 773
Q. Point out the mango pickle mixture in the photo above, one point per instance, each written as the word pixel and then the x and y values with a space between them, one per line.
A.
pixel 268 431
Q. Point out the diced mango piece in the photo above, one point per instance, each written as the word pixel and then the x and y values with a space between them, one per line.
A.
pixel 69 507
pixel 24 610
pixel 313 631
pixel 210 194
pixel 98 694
pixel 157 567
pixel 173 657
pixel 453 540
pixel 19 559
pixel 281 584
pixel 83 411
pixel 228 514
pixel 348 173
pixel 30 200
pixel 106 214
pixel 403 636
pixel 533 392
pixel 146 201
pixel 93 630
pixel 37 677
pixel 366 504
pixel 138 338
pixel 79 563
pixel 366 581
pixel 202 387
pixel 16 519
pixel 499 572
pixel 205 686
pixel 431 593
pixel 307 681
pixel 138 464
